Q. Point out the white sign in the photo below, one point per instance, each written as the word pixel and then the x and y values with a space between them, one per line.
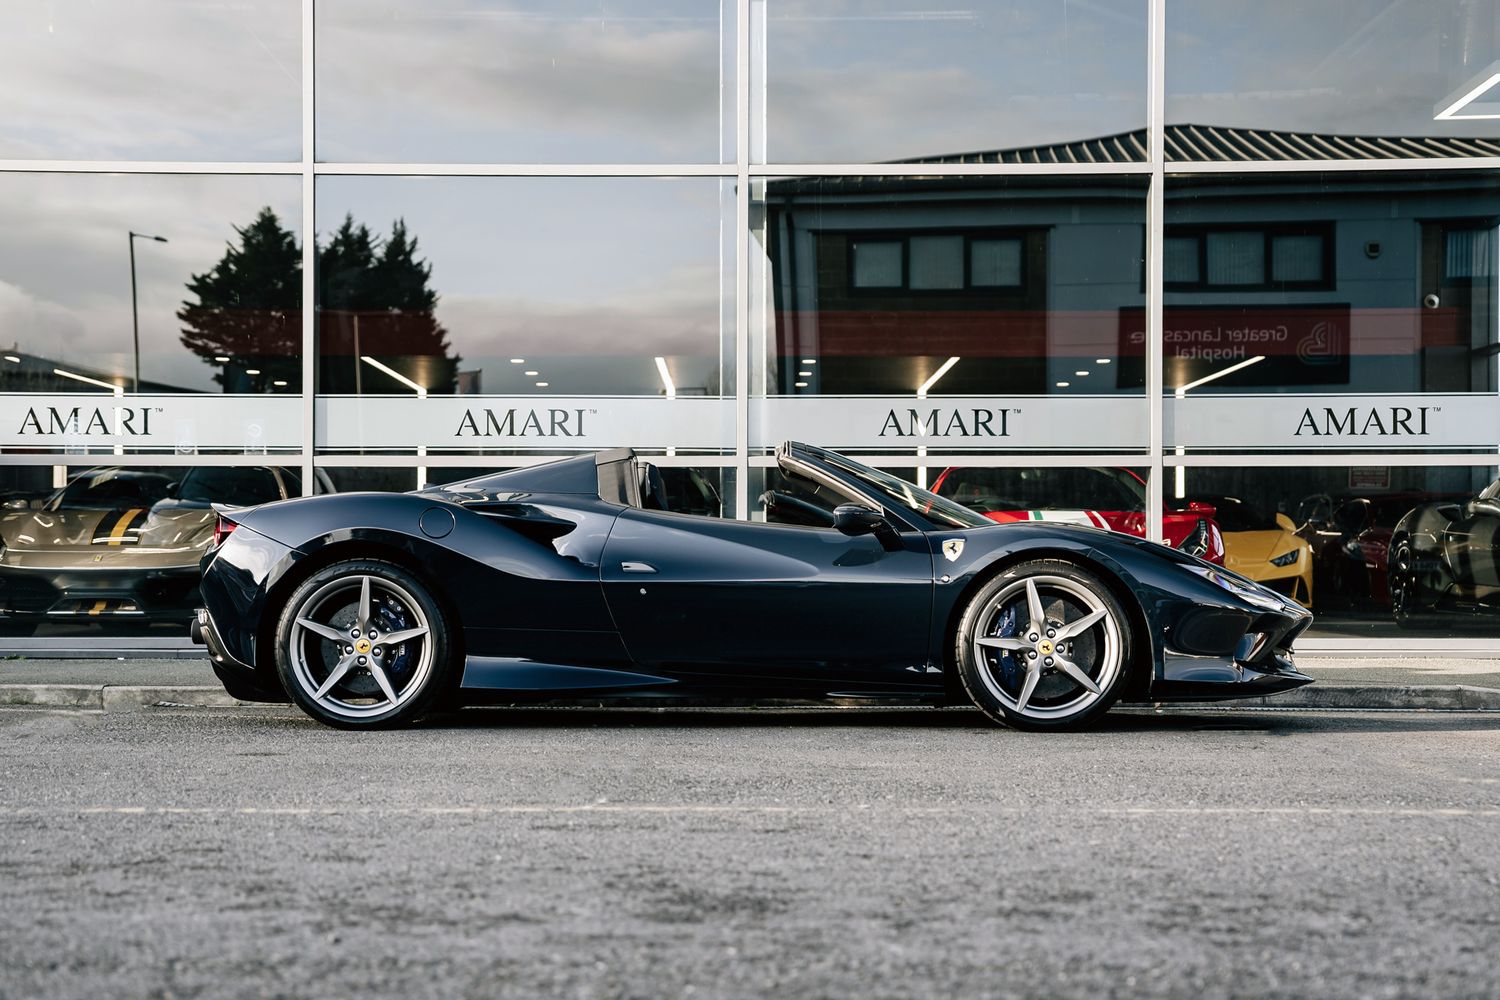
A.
pixel 543 423
pixel 82 421
pixel 952 423
pixel 1387 422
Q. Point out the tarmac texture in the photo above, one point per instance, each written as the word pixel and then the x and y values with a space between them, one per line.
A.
pixel 729 853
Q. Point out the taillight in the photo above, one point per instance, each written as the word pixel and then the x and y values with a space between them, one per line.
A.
pixel 223 527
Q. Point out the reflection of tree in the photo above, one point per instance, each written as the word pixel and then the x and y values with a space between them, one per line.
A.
pixel 374 301
pixel 249 309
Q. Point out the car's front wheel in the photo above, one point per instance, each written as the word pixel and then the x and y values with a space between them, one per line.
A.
pixel 1044 645
pixel 362 644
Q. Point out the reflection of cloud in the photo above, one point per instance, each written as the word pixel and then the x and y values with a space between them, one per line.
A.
pixel 64 247
pixel 40 324
pixel 152 79
pixel 512 85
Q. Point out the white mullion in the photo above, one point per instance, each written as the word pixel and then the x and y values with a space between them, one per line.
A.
pixel 147 167
pixel 1332 166
pixel 945 169
pixel 1334 460
pixel 526 169
pixel 309 255
pixel 1155 227
pixel 143 460
pixel 742 261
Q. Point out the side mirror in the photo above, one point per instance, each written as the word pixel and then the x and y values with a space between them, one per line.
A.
pixel 856 519
pixel 172 489
pixel 1285 522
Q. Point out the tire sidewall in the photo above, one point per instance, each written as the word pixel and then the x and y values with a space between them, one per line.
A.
pixel 438 679
pixel 968 668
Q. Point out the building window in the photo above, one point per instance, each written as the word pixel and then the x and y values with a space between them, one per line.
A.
pixel 1469 254
pixel 1243 259
pixel 937 262
pixel 877 264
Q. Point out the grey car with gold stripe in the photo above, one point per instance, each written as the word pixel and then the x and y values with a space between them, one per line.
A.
pixel 120 544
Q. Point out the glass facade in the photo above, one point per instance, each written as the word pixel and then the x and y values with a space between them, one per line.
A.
pixel 1074 261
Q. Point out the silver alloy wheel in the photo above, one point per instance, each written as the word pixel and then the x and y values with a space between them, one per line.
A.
pixel 372 669
pixel 1063 666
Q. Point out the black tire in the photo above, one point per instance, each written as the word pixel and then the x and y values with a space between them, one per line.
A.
pixel 1402 584
pixel 996 680
pixel 418 671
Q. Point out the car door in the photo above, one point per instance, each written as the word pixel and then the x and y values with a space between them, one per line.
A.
pixel 745 599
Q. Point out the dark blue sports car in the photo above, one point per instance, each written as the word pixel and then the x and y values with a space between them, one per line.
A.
pixel 576 578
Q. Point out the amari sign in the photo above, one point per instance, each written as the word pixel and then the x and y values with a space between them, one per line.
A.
pixel 184 424
pixel 1455 420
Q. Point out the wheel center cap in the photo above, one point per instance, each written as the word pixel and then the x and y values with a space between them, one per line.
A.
pixel 1044 647
pixel 362 646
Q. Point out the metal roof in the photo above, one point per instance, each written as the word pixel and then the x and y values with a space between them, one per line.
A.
pixel 1215 142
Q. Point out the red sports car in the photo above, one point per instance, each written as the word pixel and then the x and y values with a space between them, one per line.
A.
pixel 1105 498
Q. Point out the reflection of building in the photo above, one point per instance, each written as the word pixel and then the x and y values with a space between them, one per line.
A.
pixel 1318 282
pixel 21 372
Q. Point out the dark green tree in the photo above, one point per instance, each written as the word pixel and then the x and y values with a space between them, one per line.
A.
pixel 374 300
pixel 249 308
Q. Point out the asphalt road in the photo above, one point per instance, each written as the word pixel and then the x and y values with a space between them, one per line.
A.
pixel 726 853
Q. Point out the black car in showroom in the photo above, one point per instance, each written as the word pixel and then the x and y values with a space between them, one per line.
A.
pixel 1444 561
pixel 577 578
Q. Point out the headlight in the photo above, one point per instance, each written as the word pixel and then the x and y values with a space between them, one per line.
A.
pixel 1246 591
pixel 1286 558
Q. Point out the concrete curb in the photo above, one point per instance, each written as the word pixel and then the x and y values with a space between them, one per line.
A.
pixel 1450 697
pixel 133 698
pixel 113 697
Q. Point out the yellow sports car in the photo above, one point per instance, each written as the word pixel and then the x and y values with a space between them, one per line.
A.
pixel 1263 547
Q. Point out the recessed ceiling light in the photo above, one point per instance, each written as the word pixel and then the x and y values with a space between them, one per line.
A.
pixel 252 371
pixel 1101 361
pixel 799 385
pixel 518 361
pixel 531 374
pixel 804 374
pixel 809 361
pixel 1063 385
pixel 221 358
pixel 279 381
pixel 543 385
pixel 12 357
pixel 1080 374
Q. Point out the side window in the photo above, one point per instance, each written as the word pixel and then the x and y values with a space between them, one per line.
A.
pixel 792 499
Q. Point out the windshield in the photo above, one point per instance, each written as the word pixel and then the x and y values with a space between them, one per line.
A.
pixel 1016 489
pixel 110 489
pixel 906 495
pixel 1234 514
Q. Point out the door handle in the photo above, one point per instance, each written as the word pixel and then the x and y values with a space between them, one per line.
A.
pixel 637 567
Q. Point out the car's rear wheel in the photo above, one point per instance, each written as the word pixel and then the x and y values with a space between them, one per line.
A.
pixel 1401 581
pixel 1044 645
pixel 363 644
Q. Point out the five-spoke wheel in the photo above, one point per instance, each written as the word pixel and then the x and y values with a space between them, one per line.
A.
pixel 362 643
pixel 1043 645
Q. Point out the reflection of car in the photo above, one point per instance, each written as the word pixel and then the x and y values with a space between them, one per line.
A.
pixel 1104 498
pixel 1350 536
pixel 1263 547
pixel 1445 559
pixel 576 577
pixel 121 544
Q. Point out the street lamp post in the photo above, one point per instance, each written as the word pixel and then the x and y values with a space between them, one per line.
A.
pixel 135 318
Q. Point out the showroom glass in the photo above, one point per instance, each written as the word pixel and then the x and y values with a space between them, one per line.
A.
pixel 151 80
pixel 535 82
pixel 875 80
pixel 983 300
pixel 220 339
pixel 1343 522
pixel 1360 295
pixel 1389 68
pixel 534 296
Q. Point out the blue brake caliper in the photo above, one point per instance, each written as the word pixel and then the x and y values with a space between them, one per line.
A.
pixel 1011 667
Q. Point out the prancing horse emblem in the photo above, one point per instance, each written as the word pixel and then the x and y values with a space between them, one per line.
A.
pixel 953 548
